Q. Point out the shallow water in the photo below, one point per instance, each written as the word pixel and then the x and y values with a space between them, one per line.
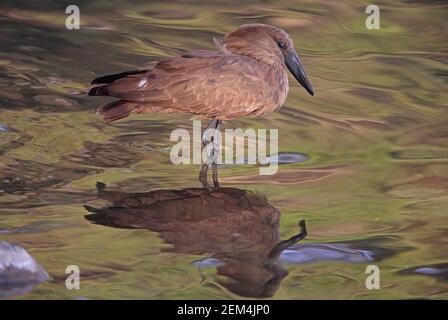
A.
pixel 370 180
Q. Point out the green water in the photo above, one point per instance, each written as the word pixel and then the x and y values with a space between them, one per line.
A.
pixel 375 133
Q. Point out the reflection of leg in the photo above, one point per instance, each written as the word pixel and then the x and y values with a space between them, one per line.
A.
pixel 203 176
pixel 278 249
pixel 215 175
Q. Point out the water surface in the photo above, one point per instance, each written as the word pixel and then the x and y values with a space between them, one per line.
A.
pixel 370 180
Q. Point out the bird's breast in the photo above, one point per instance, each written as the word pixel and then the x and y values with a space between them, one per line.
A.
pixel 258 91
pixel 283 86
pixel 277 86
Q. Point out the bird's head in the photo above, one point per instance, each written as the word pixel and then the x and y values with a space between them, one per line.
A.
pixel 267 44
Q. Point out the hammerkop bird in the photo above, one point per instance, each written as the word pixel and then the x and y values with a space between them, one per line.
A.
pixel 247 76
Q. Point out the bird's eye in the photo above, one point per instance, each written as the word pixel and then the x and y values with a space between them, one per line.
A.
pixel 281 44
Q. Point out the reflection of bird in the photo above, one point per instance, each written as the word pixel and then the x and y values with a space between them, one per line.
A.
pixel 238 227
pixel 247 76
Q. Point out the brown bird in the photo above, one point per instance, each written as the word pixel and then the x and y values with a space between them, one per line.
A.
pixel 246 77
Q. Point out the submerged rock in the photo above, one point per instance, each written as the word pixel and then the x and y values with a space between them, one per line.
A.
pixel 19 272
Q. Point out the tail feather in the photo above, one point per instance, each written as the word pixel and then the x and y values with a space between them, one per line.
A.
pixel 91 209
pixel 124 90
pixel 117 110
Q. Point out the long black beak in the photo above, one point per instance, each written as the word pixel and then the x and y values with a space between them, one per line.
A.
pixel 294 65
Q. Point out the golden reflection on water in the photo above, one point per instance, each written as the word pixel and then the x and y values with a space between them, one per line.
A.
pixel 376 135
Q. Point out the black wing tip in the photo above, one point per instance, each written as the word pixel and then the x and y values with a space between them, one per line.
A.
pixel 112 77
pixel 102 80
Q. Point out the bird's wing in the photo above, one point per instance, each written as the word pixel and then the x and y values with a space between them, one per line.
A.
pixel 207 83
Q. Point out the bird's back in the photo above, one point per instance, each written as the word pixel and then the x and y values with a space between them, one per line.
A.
pixel 208 84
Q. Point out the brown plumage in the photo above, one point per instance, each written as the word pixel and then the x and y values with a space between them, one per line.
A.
pixel 247 76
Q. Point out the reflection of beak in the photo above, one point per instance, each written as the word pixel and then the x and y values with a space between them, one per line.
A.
pixel 294 65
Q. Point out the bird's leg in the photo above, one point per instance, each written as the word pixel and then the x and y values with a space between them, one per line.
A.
pixel 205 137
pixel 215 175
pixel 208 140
pixel 215 147
pixel 203 176
pixel 211 148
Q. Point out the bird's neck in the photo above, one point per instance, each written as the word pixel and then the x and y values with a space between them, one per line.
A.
pixel 262 51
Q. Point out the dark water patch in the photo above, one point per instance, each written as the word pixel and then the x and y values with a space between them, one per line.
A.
pixel 400 120
pixel 369 124
pixel 105 155
pixel 162 126
pixel 370 94
pixel 297 118
pixel 143 141
pixel 418 154
pixel 27 175
pixel 15 143
pixel 87 274
pixel 438 271
pixel 14 184
pixel 442 74
pixel 41 198
pixel 53 102
pixel 39 226
pixel 62 197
